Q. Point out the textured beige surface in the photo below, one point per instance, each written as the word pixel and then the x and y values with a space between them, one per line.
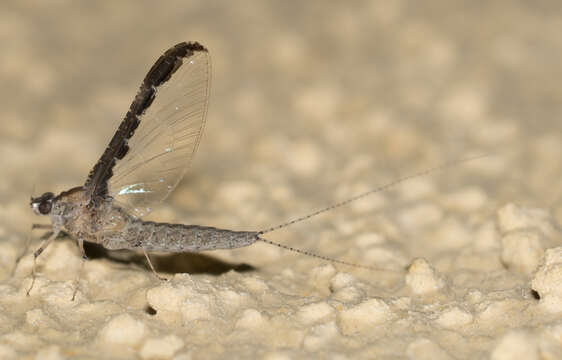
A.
pixel 311 103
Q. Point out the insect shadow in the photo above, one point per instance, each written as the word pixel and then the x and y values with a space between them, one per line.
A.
pixel 175 263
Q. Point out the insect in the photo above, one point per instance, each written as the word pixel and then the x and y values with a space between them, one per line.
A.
pixel 143 163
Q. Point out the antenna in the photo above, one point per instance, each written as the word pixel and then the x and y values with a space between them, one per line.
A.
pixel 386 186
pixel 326 258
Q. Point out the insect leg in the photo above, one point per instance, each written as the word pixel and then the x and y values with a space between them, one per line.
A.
pixel 34 227
pixel 28 241
pixel 84 258
pixel 151 266
pixel 38 252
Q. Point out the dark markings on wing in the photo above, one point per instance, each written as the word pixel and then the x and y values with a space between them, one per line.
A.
pixel 161 71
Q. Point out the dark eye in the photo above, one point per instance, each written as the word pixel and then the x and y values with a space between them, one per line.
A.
pixel 45 207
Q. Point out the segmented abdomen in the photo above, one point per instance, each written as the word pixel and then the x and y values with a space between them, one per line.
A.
pixel 154 236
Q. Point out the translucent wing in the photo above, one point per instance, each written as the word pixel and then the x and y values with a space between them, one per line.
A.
pixel 167 136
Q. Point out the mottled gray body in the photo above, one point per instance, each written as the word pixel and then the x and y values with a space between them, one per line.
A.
pixel 154 236
pixel 112 227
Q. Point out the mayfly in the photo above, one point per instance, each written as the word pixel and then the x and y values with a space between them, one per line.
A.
pixel 145 160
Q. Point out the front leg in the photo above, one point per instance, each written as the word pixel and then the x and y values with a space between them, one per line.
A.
pixel 28 241
pixel 46 242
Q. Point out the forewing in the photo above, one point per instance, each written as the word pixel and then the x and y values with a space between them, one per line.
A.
pixel 166 139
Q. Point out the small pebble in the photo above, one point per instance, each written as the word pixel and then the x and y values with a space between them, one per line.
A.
pixel 425 349
pixel 422 278
pixel 363 317
pixel 123 330
pixel 453 318
pixel 516 345
pixel 162 348
pixel 320 336
pixel 522 251
pixel 314 313
pixel 251 319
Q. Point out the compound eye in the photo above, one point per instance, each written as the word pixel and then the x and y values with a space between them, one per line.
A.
pixel 45 207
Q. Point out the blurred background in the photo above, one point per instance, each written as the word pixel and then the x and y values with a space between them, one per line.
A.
pixel 310 101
